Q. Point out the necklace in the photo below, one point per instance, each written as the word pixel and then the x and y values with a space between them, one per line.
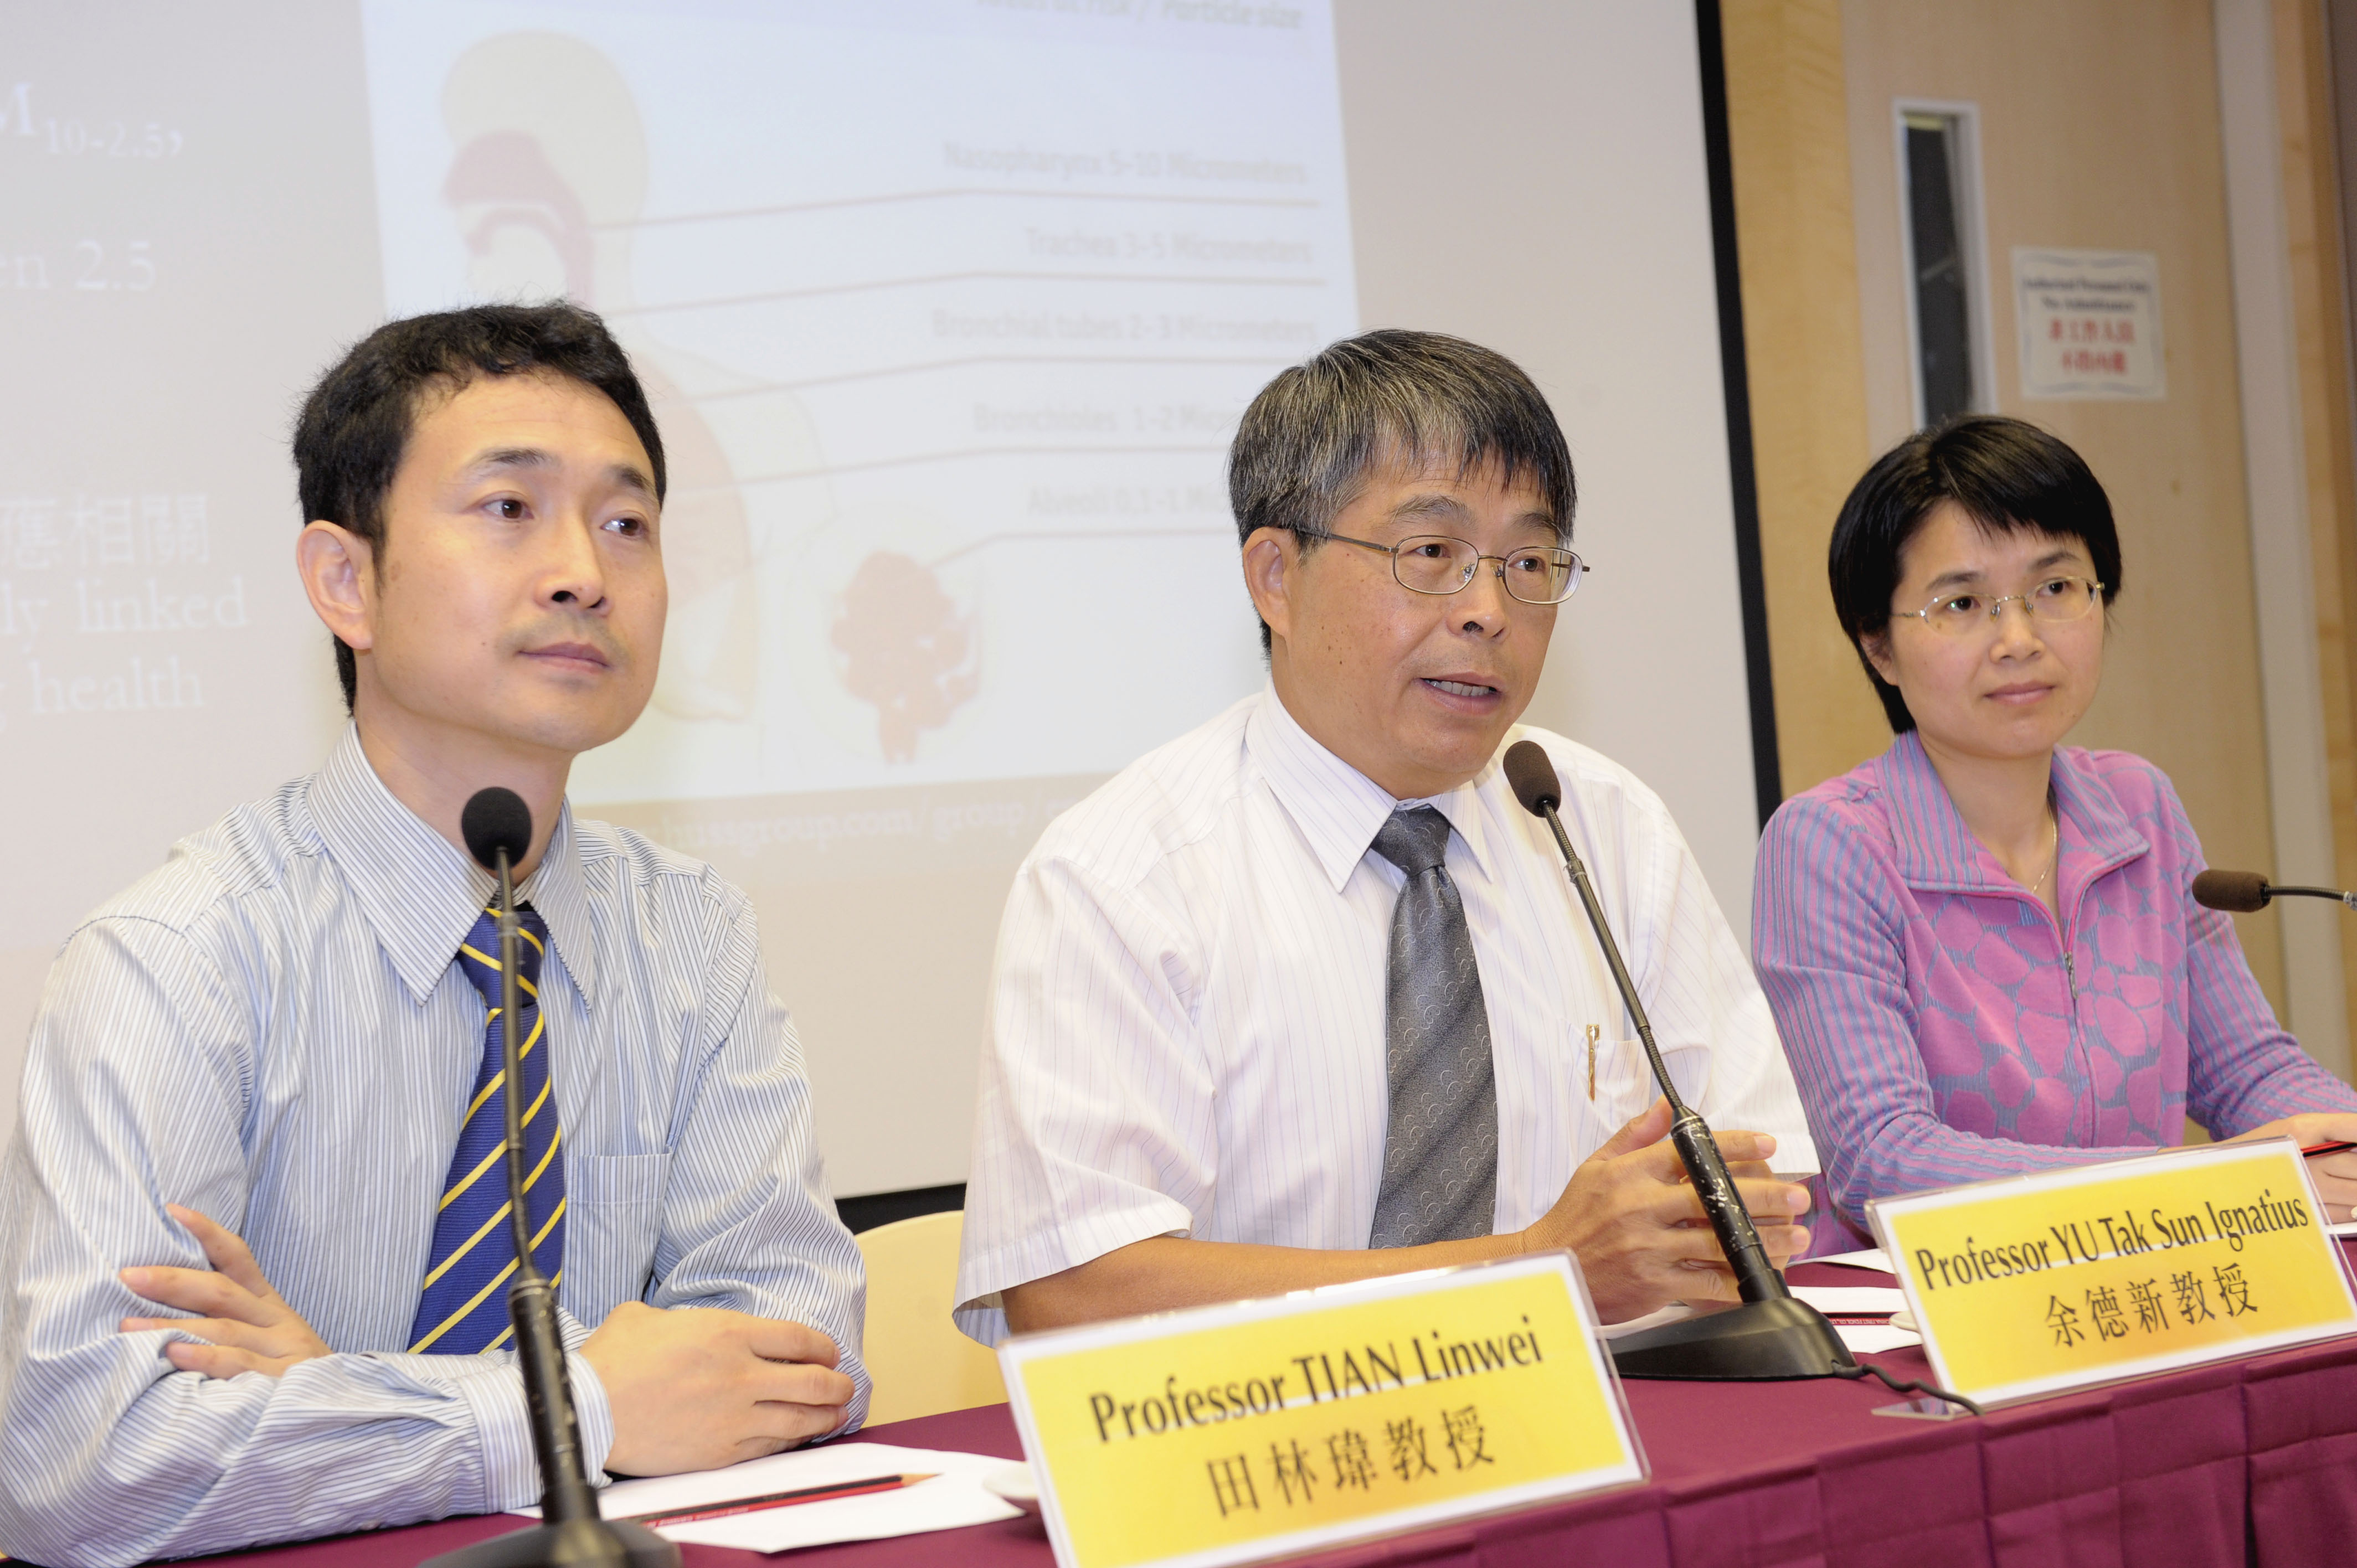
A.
pixel 2053 853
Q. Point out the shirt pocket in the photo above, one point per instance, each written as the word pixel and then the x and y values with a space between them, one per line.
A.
pixel 1613 1075
pixel 1623 1083
pixel 613 1219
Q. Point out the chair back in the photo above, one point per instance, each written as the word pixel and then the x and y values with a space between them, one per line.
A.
pixel 920 1363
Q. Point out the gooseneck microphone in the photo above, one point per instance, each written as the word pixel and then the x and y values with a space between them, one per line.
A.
pixel 1772 1334
pixel 1533 776
pixel 497 826
pixel 2246 892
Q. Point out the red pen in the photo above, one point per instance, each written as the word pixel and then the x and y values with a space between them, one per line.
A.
pixel 825 1494
pixel 2312 1150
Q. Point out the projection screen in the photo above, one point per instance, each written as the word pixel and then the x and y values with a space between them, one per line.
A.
pixel 948 308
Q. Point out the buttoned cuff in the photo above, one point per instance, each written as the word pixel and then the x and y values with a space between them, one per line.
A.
pixel 595 1416
pixel 493 1390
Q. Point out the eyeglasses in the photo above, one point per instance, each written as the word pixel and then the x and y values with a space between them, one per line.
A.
pixel 1435 563
pixel 2055 600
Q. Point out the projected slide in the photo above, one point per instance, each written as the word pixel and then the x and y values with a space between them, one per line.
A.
pixel 948 308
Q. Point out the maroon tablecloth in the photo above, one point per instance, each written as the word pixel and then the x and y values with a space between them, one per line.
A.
pixel 2183 1469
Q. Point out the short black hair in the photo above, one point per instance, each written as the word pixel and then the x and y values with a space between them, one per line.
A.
pixel 1305 445
pixel 355 426
pixel 2008 474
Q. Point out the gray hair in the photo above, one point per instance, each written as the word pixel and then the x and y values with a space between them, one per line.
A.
pixel 1306 444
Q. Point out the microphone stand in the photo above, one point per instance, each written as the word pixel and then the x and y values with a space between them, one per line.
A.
pixel 1771 1333
pixel 2334 893
pixel 571 1531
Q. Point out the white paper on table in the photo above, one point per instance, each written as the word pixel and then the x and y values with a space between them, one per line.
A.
pixel 954 1498
pixel 1868 1258
pixel 2346 1227
pixel 946 1502
pixel 1852 1301
pixel 1861 1338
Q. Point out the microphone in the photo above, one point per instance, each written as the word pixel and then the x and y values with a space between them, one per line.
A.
pixel 2247 891
pixel 497 826
pixel 1772 1334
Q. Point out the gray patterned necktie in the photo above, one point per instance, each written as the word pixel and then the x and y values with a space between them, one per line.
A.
pixel 1440 1152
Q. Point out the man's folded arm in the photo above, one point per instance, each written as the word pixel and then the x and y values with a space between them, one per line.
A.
pixel 188 1464
pixel 133 1091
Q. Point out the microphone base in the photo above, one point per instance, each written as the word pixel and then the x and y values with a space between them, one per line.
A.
pixel 576 1543
pixel 1757 1341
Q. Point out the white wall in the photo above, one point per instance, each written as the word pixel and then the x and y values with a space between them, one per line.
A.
pixel 1529 174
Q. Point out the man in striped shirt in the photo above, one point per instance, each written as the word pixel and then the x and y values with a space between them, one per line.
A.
pixel 1303 996
pixel 237 1306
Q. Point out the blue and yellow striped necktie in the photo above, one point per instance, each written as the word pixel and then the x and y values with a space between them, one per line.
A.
pixel 464 1308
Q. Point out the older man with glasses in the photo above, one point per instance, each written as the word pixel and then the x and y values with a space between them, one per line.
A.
pixel 1303 996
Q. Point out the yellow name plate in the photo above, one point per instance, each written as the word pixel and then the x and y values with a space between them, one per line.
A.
pixel 2032 1285
pixel 1256 1429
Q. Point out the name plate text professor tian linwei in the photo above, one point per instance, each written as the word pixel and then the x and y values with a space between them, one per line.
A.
pixel 1231 1433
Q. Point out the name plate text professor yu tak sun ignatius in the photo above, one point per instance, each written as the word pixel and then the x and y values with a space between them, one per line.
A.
pixel 2037 1284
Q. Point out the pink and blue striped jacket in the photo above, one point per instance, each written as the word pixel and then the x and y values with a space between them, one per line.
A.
pixel 1943 1027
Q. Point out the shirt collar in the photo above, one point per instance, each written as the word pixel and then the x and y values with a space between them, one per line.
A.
pixel 418 893
pixel 1339 809
pixel 1936 851
pixel 559 888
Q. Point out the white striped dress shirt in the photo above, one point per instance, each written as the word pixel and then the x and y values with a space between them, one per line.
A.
pixel 1186 1027
pixel 270 1029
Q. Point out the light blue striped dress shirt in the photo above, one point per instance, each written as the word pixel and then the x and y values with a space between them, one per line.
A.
pixel 270 1029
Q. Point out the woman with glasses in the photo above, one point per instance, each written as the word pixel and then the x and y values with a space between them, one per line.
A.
pixel 1980 946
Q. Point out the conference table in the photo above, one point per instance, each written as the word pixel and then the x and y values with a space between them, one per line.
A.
pixel 2244 1461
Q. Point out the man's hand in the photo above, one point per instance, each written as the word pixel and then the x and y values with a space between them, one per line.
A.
pixel 251 1328
pixel 697 1387
pixel 2335 1174
pixel 1638 1229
